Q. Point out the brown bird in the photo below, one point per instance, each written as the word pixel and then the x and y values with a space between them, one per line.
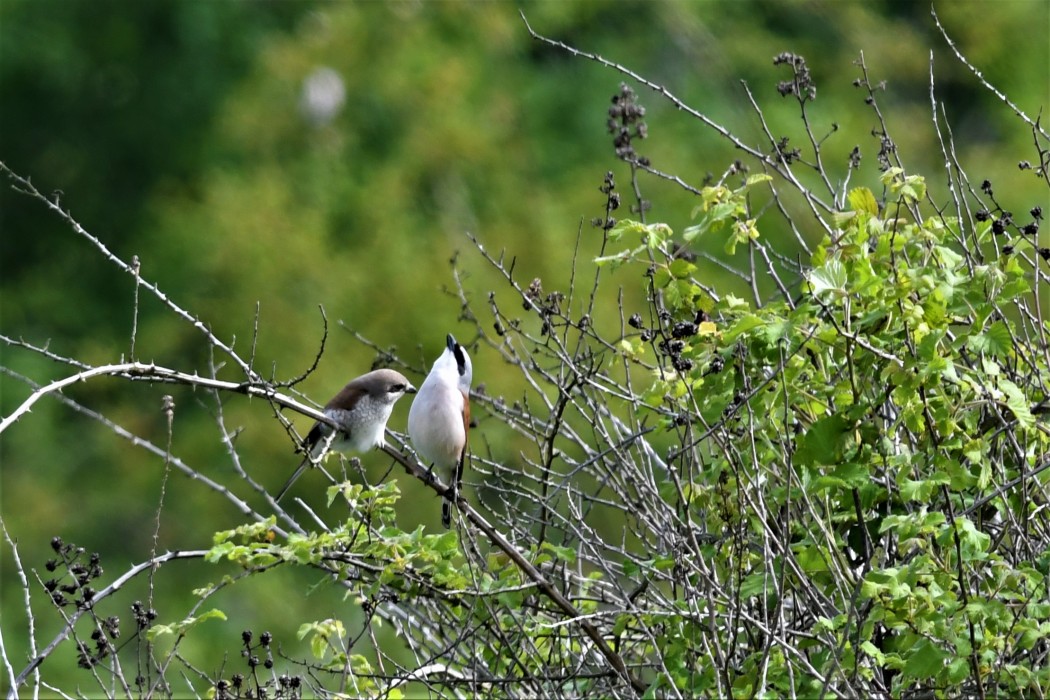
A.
pixel 361 411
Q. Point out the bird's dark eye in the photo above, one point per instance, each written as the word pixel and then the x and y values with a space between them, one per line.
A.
pixel 397 388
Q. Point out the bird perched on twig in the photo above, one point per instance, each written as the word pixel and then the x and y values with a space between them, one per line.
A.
pixel 439 419
pixel 361 411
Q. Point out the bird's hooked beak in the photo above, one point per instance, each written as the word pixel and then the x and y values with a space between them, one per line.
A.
pixel 410 389
pixel 450 342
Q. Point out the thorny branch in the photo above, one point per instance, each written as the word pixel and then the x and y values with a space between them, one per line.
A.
pixel 720 526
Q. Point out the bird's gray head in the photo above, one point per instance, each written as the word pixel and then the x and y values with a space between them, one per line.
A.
pixel 386 385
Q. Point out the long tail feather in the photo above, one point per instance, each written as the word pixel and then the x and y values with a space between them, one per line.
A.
pixel 446 513
pixel 453 497
pixel 288 484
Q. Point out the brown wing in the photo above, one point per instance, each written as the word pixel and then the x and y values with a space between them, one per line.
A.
pixel 345 400
pixel 466 424
pixel 348 396
pixel 457 481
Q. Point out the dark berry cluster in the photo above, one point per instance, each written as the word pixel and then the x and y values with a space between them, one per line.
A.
pixel 854 158
pixel 886 149
pixel 801 83
pixel 787 155
pixel 144 616
pixel 105 633
pixel 250 652
pixel 240 686
pixel 673 349
pixel 548 305
pixel 673 335
pixel 612 203
pixel 626 124
pixel 73 587
pixel 1003 221
pixel 77 590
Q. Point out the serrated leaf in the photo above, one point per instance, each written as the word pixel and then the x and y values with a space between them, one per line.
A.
pixel 824 442
pixel 828 278
pixel 924 660
pixel 631 348
pixel 613 261
pixel 756 179
pixel 995 340
pixel 922 491
pixel 720 212
pixel 183 626
pixel 656 234
pixel 873 651
pixel 706 328
pixel 673 295
pixel 680 269
pixel 734 303
pixel 777 329
pixel 1014 288
pixel 862 200
pixel 852 474
pixel 625 227
pixel 754 585
pixel 840 218
pixel 691 232
pixel 948 257
pixel 743 324
pixel 1017 403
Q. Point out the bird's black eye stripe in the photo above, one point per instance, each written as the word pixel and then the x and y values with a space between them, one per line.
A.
pixel 395 388
pixel 461 359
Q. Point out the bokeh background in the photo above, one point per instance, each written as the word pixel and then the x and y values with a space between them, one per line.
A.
pixel 284 155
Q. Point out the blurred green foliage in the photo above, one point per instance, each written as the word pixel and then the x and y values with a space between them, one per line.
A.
pixel 175 132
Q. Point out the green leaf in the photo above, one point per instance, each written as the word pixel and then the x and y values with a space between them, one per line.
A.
pixel 656 234
pixel 625 227
pixel 632 347
pixel 872 651
pixel 753 180
pixel 564 554
pixel 743 324
pixel 829 278
pixel 615 260
pixel 680 269
pixel 840 218
pixel 1016 401
pixel 691 232
pixel 852 474
pixel 1014 288
pixel 320 632
pixel 743 230
pixel 922 491
pixel 862 200
pixel 678 294
pixel 958 669
pixel 995 340
pixel 824 442
pixel 973 543
pixel 182 627
pixel 925 661
pixel 754 584
pixel 777 329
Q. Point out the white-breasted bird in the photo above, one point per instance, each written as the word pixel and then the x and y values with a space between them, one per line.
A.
pixel 439 419
pixel 361 411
